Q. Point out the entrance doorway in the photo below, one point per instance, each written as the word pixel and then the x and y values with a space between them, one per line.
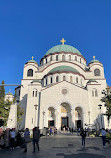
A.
pixel 64 122
pixel 78 123
pixel 50 123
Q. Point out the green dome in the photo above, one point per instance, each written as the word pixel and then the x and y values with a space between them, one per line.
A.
pixel 94 60
pixel 91 80
pixel 63 69
pixel 31 61
pixel 63 48
pixel 9 93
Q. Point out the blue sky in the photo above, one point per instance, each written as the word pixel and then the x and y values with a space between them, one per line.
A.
pixel 32 27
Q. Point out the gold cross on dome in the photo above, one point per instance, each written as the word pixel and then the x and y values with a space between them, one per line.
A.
pixel 32 57
pixel 63 41
pixel 94 57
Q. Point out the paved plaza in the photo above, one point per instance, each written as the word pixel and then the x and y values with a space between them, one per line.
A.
pixel 62 146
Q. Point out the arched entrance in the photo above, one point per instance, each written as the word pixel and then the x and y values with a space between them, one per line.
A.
pixel 78 117
pixel 51 117
pixel 66 119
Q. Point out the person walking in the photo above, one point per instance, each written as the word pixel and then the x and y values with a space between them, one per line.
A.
pixel 103 132
pixel 36 138
pixel 83 135
pixel 26 138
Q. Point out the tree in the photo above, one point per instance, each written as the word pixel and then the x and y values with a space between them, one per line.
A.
pixel 2 91
pixel 107 102
pixel 4 105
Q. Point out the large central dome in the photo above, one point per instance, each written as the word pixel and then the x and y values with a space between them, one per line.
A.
pixel 63 48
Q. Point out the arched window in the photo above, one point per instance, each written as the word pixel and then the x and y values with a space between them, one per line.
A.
pixel 92 93
pixel 46 60
pixel 56 57
pixel 97 72
pixel 80 60
pixel 71 79
pixel 51 80
pixel 51 58
pixel 63 58
pixel 19 92
pixel 46 81
pixel 33 94
pixel 57 79
pixel 76 79
pixel 42 62
pixel 64 78
pixel 96 93
pixel 75 58
pixel 69 57
pixel 30 72
pixel 36 94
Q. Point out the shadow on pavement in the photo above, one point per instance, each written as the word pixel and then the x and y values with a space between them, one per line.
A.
pixel 81 155
pixel 86 148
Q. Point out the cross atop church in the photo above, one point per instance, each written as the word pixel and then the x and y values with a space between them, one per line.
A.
pixel 94 57
pixel 63 41
pixel 32 57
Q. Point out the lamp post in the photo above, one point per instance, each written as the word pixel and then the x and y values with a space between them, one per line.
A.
pixel 100 106
pixel 35 114
pixel 89 116
pixel 43 117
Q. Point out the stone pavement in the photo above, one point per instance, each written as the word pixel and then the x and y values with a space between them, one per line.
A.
pixel 62 146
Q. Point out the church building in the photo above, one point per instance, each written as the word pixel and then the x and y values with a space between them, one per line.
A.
pixel 63 91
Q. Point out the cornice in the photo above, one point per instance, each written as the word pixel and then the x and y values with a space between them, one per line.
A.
pixel 62 53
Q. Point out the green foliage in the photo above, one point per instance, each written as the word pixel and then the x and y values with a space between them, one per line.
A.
pixel 14 99
pixel 107 102
pixel 4 110
pixel 20 113
pixel 4 105
pixel 2 91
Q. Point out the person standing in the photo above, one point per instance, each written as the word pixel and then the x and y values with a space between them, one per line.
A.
pixel 83 135
pixel 12 138
pixel 36 138
pixel 26 138
pixel 103 132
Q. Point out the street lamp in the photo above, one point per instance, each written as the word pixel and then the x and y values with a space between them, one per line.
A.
pixel 100 106
pixel 35 113
pixel 89 116
pixel 43 117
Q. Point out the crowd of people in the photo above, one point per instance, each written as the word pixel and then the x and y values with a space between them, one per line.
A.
pixel 11 139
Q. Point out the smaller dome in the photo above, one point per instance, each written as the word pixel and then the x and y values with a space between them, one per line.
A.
pixel 94 60
pixel 9 93
pixel 92 80
pixel 32 61
pixel 63 69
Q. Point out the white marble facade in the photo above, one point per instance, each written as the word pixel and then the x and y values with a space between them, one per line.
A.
pixel 63 90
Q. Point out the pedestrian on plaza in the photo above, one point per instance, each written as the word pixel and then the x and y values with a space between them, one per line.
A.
pixel 36 138
pixel 12 138
pixel 103 132
pixel 72 130
pixel 50 131
pixel 26 138
pixel 83 135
